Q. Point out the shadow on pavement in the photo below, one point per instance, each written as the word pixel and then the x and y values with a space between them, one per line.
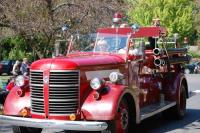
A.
pixel 158 124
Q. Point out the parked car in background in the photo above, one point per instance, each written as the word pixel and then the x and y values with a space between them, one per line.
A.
pixel 7 66
pixel 193 67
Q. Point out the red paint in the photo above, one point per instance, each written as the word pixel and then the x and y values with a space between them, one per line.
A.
pixel 105 108
pixel 10 85
pixel 46 92
pixel 15 103
pixel 140 75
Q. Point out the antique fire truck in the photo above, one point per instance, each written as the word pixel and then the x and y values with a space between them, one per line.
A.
pixel 127 75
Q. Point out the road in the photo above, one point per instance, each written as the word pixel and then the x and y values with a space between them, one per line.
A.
pixel 157 124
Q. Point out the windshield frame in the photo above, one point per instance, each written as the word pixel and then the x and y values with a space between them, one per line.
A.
pixel 114 42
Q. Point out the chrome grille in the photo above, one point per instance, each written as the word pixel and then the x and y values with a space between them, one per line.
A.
pixel 63 92
pixel 36 86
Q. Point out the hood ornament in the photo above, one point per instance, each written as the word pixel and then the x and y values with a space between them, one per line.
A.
pixel 46 79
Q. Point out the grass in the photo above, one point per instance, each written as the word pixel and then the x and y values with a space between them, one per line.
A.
pixel 3 80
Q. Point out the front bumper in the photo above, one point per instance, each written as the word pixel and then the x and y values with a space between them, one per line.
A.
pixel 54 124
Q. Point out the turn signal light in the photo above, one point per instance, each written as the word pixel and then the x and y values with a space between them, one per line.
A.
pixel 72 117
pixel 25 112
pixel 96 95
pixel 20 92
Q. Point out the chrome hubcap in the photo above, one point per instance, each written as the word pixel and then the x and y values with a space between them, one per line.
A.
pixel 124 118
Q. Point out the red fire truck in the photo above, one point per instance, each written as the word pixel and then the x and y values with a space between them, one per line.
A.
pixel 127 75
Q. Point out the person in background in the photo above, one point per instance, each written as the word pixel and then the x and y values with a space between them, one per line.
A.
pixel 24 67
pixel 16 68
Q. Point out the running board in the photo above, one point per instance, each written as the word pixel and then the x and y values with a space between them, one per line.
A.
pixel 154 109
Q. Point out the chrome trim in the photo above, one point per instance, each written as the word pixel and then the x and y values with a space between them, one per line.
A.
pixel 39 99
pixel 54 124
pixel 142 117
pixel 63 85
pixel 64 100
pixel 31 70
pixel 36 85
pixel 64 70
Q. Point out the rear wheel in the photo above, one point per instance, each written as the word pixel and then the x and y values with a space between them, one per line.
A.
pixel 122 121
pixel 17 129
pixel 180 108
pixel 178 111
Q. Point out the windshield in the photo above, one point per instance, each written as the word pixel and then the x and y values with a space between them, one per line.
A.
pixel 110 42
pixel 92 43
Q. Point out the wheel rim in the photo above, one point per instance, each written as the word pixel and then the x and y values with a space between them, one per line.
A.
pixel 182 101
pixel 122 118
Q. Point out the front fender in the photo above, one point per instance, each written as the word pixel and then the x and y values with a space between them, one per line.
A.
pixel 105 107
pixel 15 103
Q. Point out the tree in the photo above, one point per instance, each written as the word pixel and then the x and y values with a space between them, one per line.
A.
pixel 176 15
pixel 38 21
pixel 197 19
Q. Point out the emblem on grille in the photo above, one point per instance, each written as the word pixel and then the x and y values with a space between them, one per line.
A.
pixel 46 79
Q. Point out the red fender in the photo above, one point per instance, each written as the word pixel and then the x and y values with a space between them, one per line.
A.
pixel 10 85
pixel 105 107
pixel 15 103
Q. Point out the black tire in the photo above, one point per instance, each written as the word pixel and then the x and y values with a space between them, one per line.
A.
pixel 122 122
pixel 178 111
pixel 17 129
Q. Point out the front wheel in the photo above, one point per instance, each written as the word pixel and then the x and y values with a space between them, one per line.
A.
pixel 122 120
pixel 17 129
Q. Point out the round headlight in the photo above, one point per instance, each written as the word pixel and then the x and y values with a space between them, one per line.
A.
pixel 96 83
pixel 115 77
pixel 19 81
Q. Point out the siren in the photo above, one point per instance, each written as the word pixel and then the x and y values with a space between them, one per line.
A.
pixel 117 18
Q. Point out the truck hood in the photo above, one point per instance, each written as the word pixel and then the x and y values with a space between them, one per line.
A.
pixel 76 62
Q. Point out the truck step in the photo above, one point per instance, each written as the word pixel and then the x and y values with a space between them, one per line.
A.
pixel 154 109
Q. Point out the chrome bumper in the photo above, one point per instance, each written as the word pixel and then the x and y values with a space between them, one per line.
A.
pixel 54 124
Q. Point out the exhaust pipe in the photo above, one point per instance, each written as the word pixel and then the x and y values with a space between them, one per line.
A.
pixel 159 62
pixel 157 51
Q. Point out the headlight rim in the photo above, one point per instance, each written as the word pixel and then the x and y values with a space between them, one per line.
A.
pixel 101 83
pixel 116 77
pixel 22 79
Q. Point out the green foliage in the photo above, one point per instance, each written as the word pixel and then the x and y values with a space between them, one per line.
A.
pixel 176 15
pixel 194 54
pixel 15 48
